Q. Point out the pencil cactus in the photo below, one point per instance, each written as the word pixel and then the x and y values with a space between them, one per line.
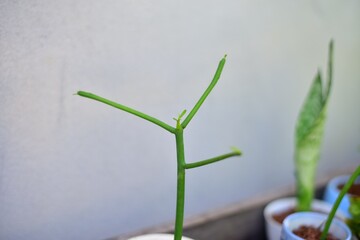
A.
pixel 182 165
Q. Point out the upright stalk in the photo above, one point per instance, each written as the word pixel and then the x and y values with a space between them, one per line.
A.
pixel 180 192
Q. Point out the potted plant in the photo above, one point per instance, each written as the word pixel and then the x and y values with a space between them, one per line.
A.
pixel 333 189
pixel 307 225
pixel 308 138
pixel 317 226
pixel 350 204
pixel 182 164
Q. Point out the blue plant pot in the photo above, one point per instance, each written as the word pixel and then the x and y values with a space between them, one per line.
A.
pixel 338 228
pixel 332 191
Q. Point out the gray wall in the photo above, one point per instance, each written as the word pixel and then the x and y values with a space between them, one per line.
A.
pixel 71 168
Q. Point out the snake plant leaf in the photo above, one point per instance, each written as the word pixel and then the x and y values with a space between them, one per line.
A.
pixel 314 108
pixel 306 159
pixel 309 134
pixel 329 71
pixel 311 110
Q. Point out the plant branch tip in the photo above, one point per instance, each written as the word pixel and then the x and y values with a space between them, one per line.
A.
pixel 180 116
pixel 225 56
pixel 236 150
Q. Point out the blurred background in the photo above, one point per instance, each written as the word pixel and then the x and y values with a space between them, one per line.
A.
pixel 72 168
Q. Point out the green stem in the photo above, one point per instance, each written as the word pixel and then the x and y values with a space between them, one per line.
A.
pixel 206 93
pixel 211 160
pixel 127 109
pixel 180 198
pixel 342 193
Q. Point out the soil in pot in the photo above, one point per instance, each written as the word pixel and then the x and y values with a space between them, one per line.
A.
pixel 279 217
pixel 311 233
pixel 354 189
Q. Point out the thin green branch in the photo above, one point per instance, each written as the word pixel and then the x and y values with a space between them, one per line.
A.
pixel 205 94
pixel 127 109
pixel 212 160
pixel 342 193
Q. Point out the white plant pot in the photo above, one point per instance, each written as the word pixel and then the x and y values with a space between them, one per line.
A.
pixel 158 236
pixel 273 228
pixel 338 228
pixel 332 191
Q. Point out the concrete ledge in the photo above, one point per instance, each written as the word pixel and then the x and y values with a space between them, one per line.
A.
pixel 243 220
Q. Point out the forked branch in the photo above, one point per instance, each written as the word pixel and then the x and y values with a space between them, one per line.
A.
pixel 127 109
